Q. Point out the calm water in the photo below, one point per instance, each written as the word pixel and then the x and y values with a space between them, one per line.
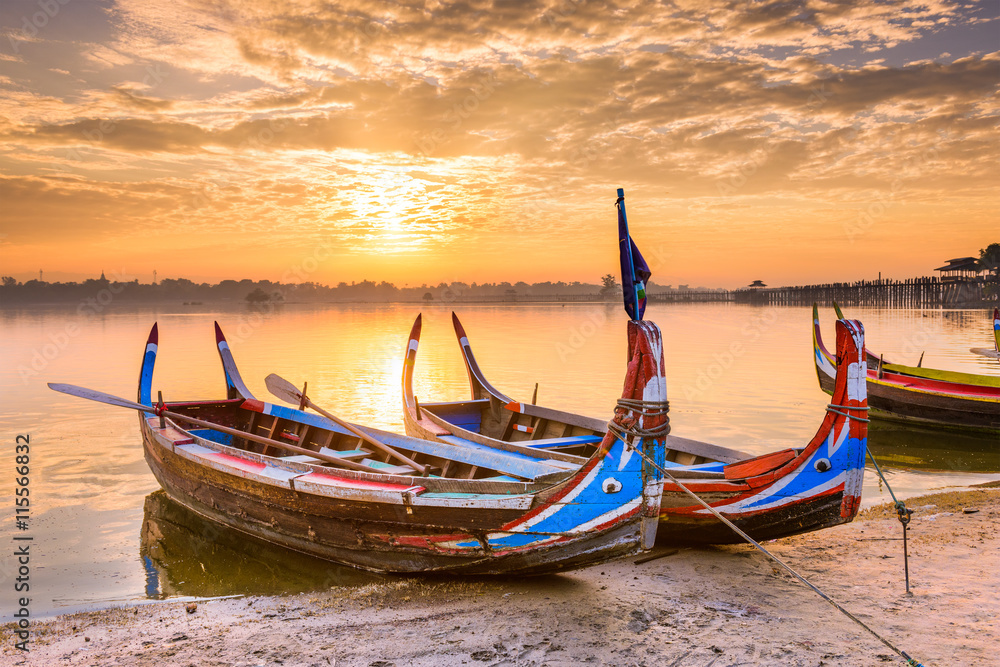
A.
pixel 739 376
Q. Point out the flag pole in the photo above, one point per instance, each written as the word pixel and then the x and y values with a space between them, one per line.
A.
pixel 628 250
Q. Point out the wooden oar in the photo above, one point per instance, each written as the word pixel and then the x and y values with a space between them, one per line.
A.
pixel 101 397
pixel 289 393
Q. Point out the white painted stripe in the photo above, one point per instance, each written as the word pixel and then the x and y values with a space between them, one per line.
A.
pixel 841 438
pixel 565 500
pixel 463 341
pixel 414 343
pixel 608 516
pixel 742 506
pixel 857 381
pixel 152 347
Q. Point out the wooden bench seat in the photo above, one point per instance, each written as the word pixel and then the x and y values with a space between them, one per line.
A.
pixel 349 455
pixel 571 441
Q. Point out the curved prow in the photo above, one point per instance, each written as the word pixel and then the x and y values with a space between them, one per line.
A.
pixel 145 396
pixel 849 409
pixel 826 364
pixel 480 386
pixel 235 387
pixel 408 363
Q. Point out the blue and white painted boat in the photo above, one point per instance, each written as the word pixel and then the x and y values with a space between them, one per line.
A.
pixel 782 493
pixel 304 482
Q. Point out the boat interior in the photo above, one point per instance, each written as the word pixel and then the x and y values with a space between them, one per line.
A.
pixel 329 446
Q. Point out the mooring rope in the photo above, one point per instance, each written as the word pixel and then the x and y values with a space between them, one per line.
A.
pixel 619 431
pixel 832 407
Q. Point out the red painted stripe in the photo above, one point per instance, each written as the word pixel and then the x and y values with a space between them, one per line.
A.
pixel 956 388
pixel 692 510
pixel 253 404
pixel 234 460
pixel 330 480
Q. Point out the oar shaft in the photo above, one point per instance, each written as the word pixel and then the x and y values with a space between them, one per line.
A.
pixel 367 438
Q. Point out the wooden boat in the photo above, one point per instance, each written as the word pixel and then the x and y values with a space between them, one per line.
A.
pixel 995 352
pixel 474 511
pixel 919 395
pixel 782 493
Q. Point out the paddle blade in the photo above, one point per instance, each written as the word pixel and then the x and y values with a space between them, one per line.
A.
pixel 283 389
pixel 94 395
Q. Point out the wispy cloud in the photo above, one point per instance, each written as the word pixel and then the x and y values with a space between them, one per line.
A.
pixel 427 130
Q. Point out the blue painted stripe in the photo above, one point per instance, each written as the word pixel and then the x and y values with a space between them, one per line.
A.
pixel 213 436
pixel 591 503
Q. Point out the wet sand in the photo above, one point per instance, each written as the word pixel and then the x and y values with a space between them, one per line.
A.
pixel 722 606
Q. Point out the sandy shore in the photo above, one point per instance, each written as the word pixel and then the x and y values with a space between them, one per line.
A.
pixel 694 608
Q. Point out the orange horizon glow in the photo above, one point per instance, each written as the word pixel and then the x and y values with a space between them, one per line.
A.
pixel 419 144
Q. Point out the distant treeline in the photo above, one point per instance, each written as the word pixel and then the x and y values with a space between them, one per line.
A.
pixel 102 292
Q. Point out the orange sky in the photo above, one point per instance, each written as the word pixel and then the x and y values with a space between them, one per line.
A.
pixel 794 142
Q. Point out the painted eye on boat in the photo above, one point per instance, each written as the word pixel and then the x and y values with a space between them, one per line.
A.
pixel 822 465
pixel 612 485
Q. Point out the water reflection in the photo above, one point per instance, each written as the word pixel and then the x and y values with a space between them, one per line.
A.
pixel 184 554
pixel 914 448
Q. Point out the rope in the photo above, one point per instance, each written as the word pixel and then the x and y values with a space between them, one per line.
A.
pixel 909 661
pixel 901 510
pixel 832 408
pixel 629 426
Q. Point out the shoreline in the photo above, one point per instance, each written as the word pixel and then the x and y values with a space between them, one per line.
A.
pixel 696 606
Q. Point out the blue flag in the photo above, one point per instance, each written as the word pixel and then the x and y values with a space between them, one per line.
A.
pixel 635 271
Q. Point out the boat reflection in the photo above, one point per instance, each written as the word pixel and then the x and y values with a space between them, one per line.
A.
pixel 914 448
pixel 186 555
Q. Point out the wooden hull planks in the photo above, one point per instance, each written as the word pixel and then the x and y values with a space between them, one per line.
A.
pixel 943 399
pixel 527 517
pixel 780 494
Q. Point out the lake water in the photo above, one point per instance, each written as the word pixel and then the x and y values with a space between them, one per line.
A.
pixel 739 376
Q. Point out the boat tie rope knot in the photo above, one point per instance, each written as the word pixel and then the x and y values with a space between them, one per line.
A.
pixel 832 407
pixel 625 423
pixel 903 511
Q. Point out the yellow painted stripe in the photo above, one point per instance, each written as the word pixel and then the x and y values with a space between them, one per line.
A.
pixel 946 376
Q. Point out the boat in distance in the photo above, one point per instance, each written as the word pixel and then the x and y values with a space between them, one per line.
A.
pixel 912 394
pixel 782 493
pixel 307 483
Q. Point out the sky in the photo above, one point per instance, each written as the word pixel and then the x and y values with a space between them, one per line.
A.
pixel 482 141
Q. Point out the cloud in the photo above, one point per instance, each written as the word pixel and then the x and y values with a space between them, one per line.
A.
pixel 426 124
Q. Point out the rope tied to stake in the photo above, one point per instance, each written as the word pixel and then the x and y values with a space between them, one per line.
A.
pixel 633 445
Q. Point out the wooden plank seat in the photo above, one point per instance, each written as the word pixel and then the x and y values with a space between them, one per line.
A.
pixel 389 468
pixel 510 463
pixel 570 441
pixel 349 455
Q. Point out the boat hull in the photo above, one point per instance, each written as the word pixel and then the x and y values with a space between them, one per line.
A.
pixel 680 526
pixel 370 535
